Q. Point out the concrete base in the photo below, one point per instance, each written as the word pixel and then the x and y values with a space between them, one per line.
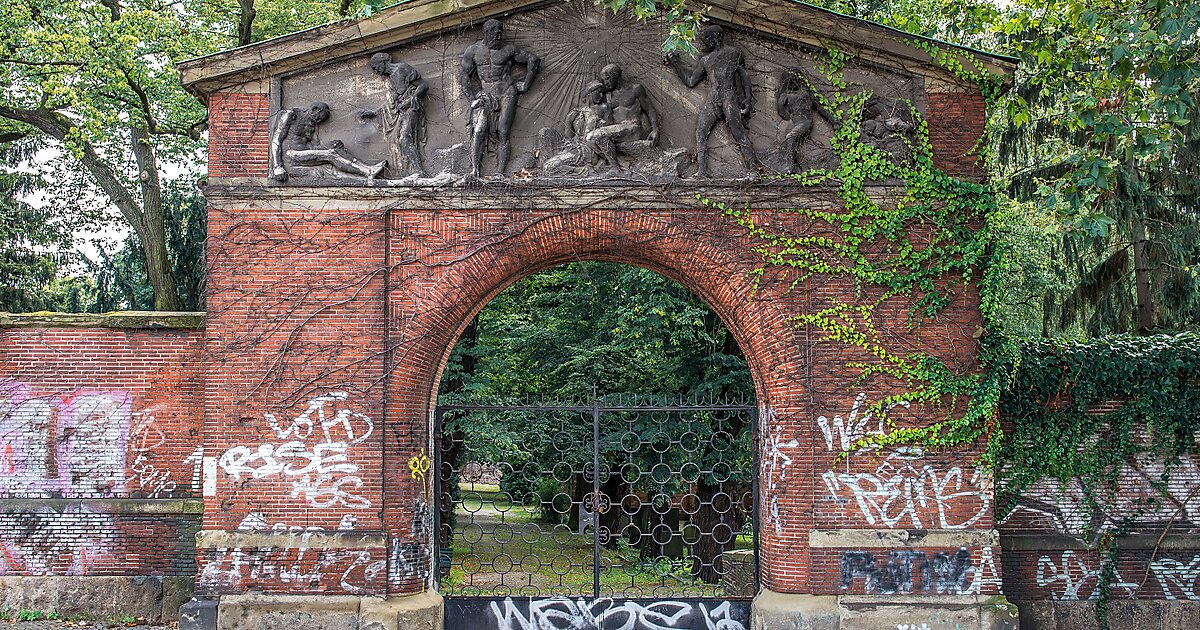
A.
pixel 777 611
pixel 154 598
pixel 329 612
pixel 1127 614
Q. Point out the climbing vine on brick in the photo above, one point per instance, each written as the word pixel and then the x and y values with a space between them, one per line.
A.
pixel 934 238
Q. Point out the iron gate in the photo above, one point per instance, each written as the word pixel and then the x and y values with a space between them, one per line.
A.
pixel 614 514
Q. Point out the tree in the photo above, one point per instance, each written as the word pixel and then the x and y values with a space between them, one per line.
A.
pixel 1103 131
pixel 34 246
pixel 95 83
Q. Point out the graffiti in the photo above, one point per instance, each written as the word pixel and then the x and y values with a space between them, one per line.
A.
pixel 563 613
pixel 899 494
pixel 419 467
pixel 1177 576
pixel 986 578
pixel 47 542
pixel 844 433
pixel 355 571
pixel 776 462
pixel 144 439
pixel 52 445
pixel 408 562
pixel 1065 505
pixel 196 459
pixel 316 462
pixel 943 573
pixel 1069 577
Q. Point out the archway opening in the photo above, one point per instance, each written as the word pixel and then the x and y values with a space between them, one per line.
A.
pixel 596 437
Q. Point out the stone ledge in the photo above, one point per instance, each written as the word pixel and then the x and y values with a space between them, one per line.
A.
pixel 886 538
pixel 422 611
pixel 1053 541
pixel 220 539
pixel 156 598
pixel 131 320
pixel 104 506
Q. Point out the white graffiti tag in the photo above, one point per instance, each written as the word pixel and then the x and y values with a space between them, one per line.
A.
pixel 897 491
pixel 777 463
pixel 844 433
pixel 561 613
pixel 1177 575
pixel 1069 577
pixel 321 472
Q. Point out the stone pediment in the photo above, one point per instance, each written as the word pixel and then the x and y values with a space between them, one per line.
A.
pixel 567 92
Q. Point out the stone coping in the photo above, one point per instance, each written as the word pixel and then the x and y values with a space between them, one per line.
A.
pixel 182 320
pixel 103 506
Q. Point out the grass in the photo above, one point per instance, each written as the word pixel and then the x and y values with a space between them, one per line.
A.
pixel 501 548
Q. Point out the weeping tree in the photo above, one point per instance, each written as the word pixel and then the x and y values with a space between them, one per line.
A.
pixel 1102 131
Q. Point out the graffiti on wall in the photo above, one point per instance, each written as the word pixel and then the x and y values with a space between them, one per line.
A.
pixel 352 571
pixel 842 433
pixel 312 452
pixel 66 446
pixel 776 461
pixel 602 614
pixel 1064 506
pixel 897 573
pixel 1070 578
pixel 905 492
pixel 47 542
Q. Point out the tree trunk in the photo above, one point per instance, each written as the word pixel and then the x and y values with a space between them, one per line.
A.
pixel 1141 278
pixel 245 33
pixel 153 232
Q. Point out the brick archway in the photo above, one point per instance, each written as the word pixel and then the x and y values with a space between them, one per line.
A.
pixel 458 260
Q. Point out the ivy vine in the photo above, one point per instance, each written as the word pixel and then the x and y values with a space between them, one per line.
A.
pixel 938 236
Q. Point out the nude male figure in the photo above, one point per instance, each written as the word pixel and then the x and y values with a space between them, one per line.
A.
pixel 795 102
pixel 295 142
pixel 729 94
pixel 487 76
pixel 630 102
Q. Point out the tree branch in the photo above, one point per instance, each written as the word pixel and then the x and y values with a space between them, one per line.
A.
pixel 59 127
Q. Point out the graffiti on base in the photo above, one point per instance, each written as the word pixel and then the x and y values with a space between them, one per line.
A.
pixel 353 571
pixel 602 614
pixel 1177 577
pixel 47 542
pixel 943 573
pixel 312 452
pixel 1070 576
pixel 898 493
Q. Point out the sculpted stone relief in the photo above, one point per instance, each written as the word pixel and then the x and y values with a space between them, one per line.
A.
pixel 569 94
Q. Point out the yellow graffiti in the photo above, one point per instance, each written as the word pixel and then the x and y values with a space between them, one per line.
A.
pixel 419 465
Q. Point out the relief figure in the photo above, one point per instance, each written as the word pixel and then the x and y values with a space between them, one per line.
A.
pixel 729 96
pixel 295 142
pixel 487 76
pixel 888 125
pixel 796 103
pixel 403 118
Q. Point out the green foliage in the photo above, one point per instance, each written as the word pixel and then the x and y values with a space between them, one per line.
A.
pixel 1060 432
pixel 926 247
pixel 623 329
pixel 121 282
pixel 1103 129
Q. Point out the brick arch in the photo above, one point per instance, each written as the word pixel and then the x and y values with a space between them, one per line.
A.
pixel 454 264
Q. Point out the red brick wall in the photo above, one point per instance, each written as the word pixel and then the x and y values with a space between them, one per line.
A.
pixel 100 428
pixel 239 134
pixel 956 124
pixel 298 312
